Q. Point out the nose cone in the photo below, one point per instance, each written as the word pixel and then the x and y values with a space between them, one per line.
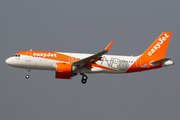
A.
pixel 8 61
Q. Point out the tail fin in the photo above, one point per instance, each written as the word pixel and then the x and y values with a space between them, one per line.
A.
pixel 157 50
pixel 153 57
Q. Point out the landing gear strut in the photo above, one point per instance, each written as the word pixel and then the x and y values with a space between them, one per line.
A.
pixel 84 79
pixel 27 76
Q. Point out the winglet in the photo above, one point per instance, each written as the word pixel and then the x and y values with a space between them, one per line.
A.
pixel 109 46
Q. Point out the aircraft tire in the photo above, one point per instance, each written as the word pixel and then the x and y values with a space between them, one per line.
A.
pixel 84 79
pixel 27 76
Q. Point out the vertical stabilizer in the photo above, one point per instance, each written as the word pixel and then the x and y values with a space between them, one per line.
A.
pixel 157 50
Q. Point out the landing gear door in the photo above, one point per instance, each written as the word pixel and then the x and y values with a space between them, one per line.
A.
pixel 28 56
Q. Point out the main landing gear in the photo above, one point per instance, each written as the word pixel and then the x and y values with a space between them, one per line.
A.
pixel 84 79
pixel 27 76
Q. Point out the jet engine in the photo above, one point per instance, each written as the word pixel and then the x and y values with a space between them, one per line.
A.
pixel 64 70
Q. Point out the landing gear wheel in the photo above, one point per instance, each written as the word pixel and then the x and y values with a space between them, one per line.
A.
pixel 84 79
pixel 27 76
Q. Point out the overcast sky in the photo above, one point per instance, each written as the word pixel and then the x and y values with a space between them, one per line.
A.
pixel 88 27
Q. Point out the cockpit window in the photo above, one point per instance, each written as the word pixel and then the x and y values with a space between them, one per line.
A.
pixel 16 55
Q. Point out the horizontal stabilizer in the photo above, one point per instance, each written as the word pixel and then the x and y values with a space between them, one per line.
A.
pixel 160 61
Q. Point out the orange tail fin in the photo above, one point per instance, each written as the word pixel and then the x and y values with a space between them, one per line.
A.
pixel 157 50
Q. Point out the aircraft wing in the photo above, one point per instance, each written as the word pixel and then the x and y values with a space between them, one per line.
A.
pixel 93 58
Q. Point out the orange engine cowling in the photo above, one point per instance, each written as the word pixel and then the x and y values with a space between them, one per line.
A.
pixel 64 70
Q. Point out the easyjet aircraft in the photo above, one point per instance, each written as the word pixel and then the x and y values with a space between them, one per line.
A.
pixel 68 65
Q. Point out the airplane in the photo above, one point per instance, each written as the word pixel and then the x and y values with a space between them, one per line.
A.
pixel 67 65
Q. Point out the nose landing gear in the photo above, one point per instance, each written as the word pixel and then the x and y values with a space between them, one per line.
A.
pixel 27 76
pixel 84 79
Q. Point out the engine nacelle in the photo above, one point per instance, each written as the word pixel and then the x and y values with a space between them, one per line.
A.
pixel 64 70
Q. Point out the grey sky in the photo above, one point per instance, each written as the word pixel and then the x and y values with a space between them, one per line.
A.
pixel 88 26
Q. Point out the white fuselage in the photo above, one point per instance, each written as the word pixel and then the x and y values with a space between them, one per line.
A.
pixel 43 63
